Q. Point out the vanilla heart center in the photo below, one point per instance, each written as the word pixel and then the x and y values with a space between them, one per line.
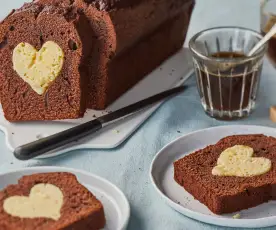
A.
pixel 45 200
pixel 239 161
pixel 38 68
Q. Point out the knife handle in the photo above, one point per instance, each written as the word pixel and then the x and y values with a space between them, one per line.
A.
pixel 41 146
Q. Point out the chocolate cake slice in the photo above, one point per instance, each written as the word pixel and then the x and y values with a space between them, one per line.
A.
pixel 39 43
pixel 226 194
pixel 131 38
pixel 73 206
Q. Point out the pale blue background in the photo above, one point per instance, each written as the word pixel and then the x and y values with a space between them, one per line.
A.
pixel 128 165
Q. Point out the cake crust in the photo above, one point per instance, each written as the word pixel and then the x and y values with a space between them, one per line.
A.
pixel 226 194
pixel 80 210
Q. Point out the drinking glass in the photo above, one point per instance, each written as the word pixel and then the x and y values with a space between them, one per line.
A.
pixel 227 85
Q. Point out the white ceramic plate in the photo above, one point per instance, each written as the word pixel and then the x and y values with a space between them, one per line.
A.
pixel 161 174
pixel 116 206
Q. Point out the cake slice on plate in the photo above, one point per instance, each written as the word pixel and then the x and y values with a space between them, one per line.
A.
pixel 238 172
pixel 50 201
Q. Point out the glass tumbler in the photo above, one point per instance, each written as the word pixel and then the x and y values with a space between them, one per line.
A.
pixel 227 79
pixel 268 19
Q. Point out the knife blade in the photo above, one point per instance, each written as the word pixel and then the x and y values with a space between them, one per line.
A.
pixel 55 141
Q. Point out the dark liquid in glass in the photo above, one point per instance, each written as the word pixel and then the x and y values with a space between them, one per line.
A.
pixel 231 89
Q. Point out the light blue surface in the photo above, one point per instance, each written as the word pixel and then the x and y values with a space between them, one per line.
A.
pixel 128 166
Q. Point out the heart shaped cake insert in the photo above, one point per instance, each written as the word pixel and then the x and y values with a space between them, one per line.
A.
pixel 45 200
pixel 239 161
pixel 38 68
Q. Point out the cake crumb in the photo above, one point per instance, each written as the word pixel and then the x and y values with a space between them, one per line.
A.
pixel 237 216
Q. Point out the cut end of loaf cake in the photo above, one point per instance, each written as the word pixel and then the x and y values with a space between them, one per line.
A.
pixel 65 96
pixel 226 194
pixel 80 208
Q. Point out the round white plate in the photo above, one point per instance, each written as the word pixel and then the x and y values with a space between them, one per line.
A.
pixel 116 206
pixel 161 174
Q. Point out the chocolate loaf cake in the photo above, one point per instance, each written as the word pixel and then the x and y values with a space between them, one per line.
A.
pixel 36 85
pixel 57 200
pixel 132 39
pixel 226 194
pixel 115 43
